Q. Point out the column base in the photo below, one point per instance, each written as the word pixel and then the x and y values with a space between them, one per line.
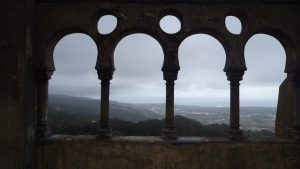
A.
pixel 296 133
pixel 236 134
pixel 43 131
pixel 104 134
pixel 169 134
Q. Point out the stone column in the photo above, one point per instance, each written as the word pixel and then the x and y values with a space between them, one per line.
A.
pixel 235 77
pixel 105 75
pixel 43 129
pixel 294 77
pixel 168 131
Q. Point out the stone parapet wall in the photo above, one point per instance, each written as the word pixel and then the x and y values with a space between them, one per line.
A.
pixel 85 152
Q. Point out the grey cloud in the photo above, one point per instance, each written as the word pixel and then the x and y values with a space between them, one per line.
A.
pixel 83 91
pixel 75 55
pixel 265 59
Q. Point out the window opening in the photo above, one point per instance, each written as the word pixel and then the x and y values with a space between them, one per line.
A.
pixel 107 24
pixel 202 91
pixel 138 87
pixel 233 25
pixel 170 24
pixel 74 86
pixel 265 60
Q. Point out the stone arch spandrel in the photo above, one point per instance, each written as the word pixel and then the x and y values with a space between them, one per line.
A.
pixel 241 14
pixel 46 49
pixel 279 21
pixel 54 22
pixel 129 22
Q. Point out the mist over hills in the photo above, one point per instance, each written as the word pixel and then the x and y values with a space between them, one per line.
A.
pixel 252 117
pixel 78 115
pixel 90 108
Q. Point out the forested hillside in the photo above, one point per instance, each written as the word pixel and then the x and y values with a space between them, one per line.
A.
pixel 75 115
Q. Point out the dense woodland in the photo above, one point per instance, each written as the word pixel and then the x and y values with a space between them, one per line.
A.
pixel 184 127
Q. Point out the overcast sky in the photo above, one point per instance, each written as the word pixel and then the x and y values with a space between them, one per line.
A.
pixel 138 76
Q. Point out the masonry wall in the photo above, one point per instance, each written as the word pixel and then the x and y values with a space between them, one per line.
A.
pixel 17 87
pixel 86 152
pixel 18 114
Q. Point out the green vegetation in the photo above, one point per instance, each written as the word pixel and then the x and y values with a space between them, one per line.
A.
pixel 77 116
pixel 184 127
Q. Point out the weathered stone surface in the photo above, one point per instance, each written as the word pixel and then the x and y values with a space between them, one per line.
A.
pixel 153 153
pixel 284 116
pixel 57 18
pixel 17 87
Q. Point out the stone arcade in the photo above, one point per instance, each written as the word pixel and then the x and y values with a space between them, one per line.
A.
pixel 29 31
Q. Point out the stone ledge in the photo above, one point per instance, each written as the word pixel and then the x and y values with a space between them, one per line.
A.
pixel 86 152
pixel 157 139
pixel 178 1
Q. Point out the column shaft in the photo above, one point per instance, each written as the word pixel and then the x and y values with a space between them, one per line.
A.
pixel 104 104
pixel 234 105
pixel 235 133
pixel 43 129
pixel 169 121
pixel 168 131
pixel 105 75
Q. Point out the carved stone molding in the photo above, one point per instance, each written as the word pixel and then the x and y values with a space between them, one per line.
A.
pixel 105 74
pixel 44 74
pixel 235 76
pixel 170 75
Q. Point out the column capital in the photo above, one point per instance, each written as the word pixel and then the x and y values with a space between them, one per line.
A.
pixel 170 75
pixel 294 77
pixel 105 74
pixel 44 74
pixel 235 76
pixel 170 72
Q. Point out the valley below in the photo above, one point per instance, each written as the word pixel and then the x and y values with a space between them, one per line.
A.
pixel 78 115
